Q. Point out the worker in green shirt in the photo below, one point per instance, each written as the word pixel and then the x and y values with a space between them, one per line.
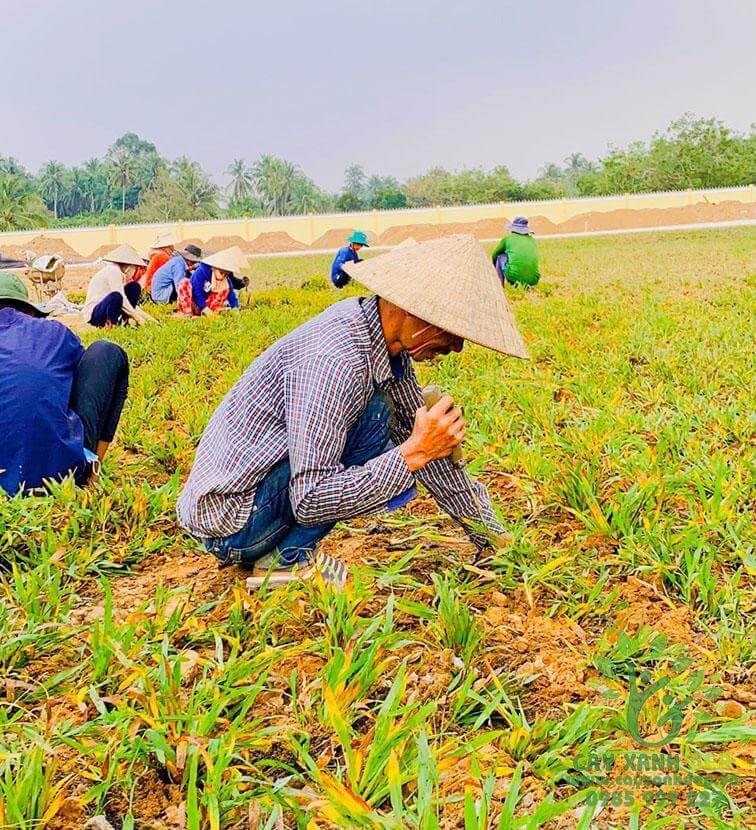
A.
pixel 516 256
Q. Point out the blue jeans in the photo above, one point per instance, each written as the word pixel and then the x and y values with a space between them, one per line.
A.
pixel 272 525
pixel 501 267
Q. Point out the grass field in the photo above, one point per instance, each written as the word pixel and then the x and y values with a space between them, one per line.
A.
pixel 143 684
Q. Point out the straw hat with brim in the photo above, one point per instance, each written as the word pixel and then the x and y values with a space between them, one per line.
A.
pixel 229 259
pixel 124 255
pixel 450 283
pixel 14 293
pixel 166 239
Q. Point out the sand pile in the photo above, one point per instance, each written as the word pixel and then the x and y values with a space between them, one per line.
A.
pixel 103 250
pixel 49 245
pixel 482 229
pixel 335 238
pixel 271 243
pixel 653 217
pixel 218 243
pixel 13 252
pixel 542 225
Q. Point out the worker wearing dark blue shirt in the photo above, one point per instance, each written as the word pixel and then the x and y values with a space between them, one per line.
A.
pixel 348 253
pixel 59 403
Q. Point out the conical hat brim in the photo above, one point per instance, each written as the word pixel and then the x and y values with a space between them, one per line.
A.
pixel 449 282
pixel 229 259
pixel 165 240
pixel 124 255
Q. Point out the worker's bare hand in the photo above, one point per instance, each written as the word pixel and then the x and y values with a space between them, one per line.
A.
pixel 436 433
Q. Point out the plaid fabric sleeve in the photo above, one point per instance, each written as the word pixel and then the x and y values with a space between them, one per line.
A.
pixel 449 486
pixel 321 398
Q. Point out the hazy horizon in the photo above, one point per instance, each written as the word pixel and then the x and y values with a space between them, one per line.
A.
pixel 411 87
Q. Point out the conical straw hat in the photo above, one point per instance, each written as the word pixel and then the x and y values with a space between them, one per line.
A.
pixel 124 255
pixel 165 239
pixel 449 282
pixel 229 259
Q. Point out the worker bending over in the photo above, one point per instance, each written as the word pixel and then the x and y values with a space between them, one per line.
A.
pixel 162 250
pixel 165 283
pixel 59 403
pixel 112 294
pixel 516 256
pixel 349 253
pixel 329 423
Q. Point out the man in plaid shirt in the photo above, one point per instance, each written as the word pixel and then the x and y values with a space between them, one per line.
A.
pixel 328 424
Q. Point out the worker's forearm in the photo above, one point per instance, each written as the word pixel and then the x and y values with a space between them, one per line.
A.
pixel 346 494
pixel 450 487
pixel 498 250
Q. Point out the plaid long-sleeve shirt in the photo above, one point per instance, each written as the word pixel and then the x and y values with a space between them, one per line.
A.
pixel 299 399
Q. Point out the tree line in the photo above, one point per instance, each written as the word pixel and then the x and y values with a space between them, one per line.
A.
pixel 134 183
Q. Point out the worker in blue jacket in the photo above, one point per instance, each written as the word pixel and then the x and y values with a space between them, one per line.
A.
pixel 59 403
pixel 349 253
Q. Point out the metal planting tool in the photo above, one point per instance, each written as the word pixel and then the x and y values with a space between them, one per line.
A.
pixel 431 396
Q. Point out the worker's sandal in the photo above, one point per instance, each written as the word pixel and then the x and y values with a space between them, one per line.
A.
pixel 330 570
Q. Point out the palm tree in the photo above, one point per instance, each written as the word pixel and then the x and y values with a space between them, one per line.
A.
pixel 122 173
pixel 201 193
pixel 94 175
pixel 52 180
pixel 20 207
pixel 242 183
pixel 11 166
pixel 274 180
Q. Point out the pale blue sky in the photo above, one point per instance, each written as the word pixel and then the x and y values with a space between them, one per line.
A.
pixel 395 86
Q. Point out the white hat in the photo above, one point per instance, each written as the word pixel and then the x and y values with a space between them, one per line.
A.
pixel 449 282
pixel 229 259
pixel 124 255
pixel 165 239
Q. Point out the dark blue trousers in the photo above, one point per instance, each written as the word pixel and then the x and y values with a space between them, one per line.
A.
pixel 110 307
pixel 272 524
pixel 98 393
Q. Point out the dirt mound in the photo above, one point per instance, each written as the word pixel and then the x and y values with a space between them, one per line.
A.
pixel 542 225
pixel 218 243
pixel 335 238
pixel 13 252
pixel 101 251
pixel 50 245
pixel 270 243
pixel 194 240
pixel 482 229
pixel 652 217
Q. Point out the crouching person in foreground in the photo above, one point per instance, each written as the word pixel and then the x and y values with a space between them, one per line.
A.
pixel 59 403
pixel 329 423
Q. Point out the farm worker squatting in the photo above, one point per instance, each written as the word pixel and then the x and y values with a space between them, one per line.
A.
pixel 349 253
pixel 209 288
pixel 112 294
pixel 59 403
pixel 165 283
pixel 516 256
pixel 162 250
pixel 329 422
